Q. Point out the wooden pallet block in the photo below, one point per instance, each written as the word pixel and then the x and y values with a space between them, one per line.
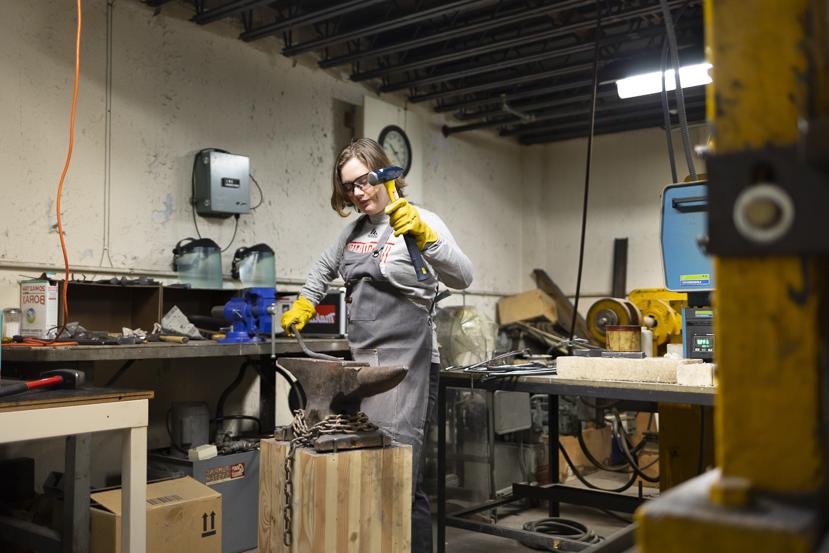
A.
pixel 356 501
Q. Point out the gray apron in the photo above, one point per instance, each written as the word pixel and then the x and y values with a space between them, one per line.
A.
pixel 386 328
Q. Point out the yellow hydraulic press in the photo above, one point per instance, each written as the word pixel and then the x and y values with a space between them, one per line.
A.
pixel 768 197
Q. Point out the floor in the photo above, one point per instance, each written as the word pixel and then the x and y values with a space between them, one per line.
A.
pixel 602 523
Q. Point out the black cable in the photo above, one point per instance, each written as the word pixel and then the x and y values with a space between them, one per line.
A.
pixel 623 445
pixel 589 484
pixel 680 95
pixel 232 238
pixel 595 462
pixel 261 194
pixel 220 404
pixel 557 527
pixel 596 41
pixel 666 113
pixel 296 395
pixel 242 418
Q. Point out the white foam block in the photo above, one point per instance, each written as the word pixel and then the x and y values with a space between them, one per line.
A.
pixel 696 374
pixel 649 369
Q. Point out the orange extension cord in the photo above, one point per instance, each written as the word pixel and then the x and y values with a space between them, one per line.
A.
pixel 66 168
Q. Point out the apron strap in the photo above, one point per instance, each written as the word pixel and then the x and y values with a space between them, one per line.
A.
pixel 381 242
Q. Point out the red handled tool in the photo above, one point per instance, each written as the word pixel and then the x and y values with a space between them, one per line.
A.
pixel 60 378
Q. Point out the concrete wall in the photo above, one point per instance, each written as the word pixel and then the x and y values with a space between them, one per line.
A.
pixel 629 173
pixel 175 88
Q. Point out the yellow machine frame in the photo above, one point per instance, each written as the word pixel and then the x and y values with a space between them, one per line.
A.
pixel 772 467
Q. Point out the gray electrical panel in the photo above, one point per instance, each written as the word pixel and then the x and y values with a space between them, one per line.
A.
pixel 221 183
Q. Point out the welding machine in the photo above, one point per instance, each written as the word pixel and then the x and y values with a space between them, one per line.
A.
pixel 687 265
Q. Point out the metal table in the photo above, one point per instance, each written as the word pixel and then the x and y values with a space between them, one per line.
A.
pixel 555 492
pixel 259 352
pixel 75 414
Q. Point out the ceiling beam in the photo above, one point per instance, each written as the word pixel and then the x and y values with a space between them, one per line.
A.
pixel 307 19
pixel 500 84
pixel 454 33
pixel 228 9
pixel 557 32
pixel 383 26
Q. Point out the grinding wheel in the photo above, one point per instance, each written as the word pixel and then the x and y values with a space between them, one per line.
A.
pixel 607 312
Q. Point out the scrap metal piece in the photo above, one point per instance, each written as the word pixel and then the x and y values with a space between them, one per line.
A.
pixel 339 386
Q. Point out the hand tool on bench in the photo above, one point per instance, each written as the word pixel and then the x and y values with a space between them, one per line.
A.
pixel 59 378
pixel 387 175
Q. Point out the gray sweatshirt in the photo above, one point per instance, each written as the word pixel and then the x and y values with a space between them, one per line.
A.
pixel 444 258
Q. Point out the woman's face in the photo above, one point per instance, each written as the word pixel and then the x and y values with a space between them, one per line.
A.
pixel 369 199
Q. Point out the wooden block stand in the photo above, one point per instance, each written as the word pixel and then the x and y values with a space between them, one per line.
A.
pixel 356 501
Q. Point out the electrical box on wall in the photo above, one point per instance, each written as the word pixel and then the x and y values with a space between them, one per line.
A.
pixel 221 183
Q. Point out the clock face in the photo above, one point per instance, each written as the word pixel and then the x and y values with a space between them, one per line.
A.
pixel 394 141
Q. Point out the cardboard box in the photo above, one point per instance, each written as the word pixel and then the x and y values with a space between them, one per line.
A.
pixel 182 515
pixel 527 306
pixel 39 307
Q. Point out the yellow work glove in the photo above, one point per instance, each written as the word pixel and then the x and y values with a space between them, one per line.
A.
pixel 405 219
pixel 301 311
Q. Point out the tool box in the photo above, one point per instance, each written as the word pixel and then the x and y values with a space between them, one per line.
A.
pixel 331 315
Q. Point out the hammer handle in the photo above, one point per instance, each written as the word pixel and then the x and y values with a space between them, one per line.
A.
pixel 411 244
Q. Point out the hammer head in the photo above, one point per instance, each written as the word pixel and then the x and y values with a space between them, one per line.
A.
pixel 72 378
pixel 379 176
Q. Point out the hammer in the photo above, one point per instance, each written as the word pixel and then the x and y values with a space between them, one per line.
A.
pixel 59 378
pixel 386 176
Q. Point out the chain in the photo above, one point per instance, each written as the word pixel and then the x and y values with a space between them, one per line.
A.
pixel 303 436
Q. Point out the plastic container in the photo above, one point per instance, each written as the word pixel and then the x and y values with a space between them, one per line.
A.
pixel 647 341
pixel 12 318
pixel 255 267
pixel 198 262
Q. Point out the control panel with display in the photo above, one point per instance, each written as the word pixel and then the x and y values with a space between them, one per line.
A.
pixel 698 333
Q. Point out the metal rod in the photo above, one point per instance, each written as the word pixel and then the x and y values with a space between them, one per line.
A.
pixel 504 44
pixel 307 19
pixel 407 19
pixel 539 117
pixel 552 443
pixel 526 93
pixel 546 134
pixel 467 116
pixel 454 33
pixel 307 351
pixel 540 56
pixel 227 10
pixel 496 84
pixel 441 416
pixel 605 119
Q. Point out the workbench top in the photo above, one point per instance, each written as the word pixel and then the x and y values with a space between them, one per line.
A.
pixel 193 349
pixel 87 395
pixel 610 389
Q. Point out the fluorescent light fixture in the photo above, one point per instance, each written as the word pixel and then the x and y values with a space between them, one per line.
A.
pixel 651 83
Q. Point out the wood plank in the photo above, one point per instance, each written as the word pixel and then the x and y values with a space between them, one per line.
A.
pixel 42 399
pixel 350 501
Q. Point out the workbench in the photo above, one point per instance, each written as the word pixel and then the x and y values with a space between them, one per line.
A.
pixel 555 493
pixel 81 357
pixel 76 414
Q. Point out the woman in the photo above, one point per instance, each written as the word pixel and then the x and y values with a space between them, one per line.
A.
pixel 389 315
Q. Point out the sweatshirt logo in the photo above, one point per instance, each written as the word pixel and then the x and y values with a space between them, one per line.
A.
pixel 373 233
